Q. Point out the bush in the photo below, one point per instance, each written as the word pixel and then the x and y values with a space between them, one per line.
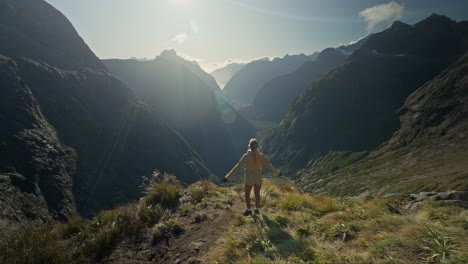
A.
pixel 295 202
pixel 196 192
pixel 151 214
pixel 163 189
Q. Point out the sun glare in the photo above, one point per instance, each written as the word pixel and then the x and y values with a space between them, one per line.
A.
pixel 182 3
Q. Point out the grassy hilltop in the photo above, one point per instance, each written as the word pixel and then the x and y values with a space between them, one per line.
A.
pixel 202 223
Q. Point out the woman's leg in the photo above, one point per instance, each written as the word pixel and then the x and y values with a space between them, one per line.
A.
pixel 257 195
pixel 247 189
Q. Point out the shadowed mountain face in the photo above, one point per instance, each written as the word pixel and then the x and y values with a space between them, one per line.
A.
pixel 244 85
pixel 83 126
pixel 208 123
pixel 355 106
pixel 118 139
pixel 275 97
pixel 427 153
pixel 35 29
pixel 224 74
pixel 36 169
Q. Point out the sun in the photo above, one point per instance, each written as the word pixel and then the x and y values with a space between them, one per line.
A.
pixel 182 3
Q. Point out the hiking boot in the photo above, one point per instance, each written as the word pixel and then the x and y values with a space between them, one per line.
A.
pixel 256 211
pixel 247 212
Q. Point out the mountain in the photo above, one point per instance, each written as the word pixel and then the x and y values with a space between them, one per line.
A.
pixel 427 153
pixel 274 98
pixel 354 107
pixel 74 137
pixel 193 66
pixel 36 30
pixel 187 104
pixel 224 74
pixel 244 85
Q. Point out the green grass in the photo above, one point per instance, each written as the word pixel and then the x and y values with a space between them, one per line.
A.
pixel 293 228
pixel 322 229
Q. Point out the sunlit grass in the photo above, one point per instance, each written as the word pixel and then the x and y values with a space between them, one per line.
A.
pixel 293 227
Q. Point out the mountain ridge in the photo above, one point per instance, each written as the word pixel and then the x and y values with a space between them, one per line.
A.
pixel 363 115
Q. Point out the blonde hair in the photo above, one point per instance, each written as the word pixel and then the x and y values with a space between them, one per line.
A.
pixel 254 147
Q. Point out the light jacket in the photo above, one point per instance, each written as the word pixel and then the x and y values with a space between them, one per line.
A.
pixel 253 172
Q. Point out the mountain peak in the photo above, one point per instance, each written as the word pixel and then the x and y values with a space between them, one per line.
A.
pixel 435 20
pixel 437 17
pixel 170 53
pixel 399 25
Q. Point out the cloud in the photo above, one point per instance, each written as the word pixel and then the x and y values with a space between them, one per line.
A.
pixel 230 61
pixel 192 59
pixel 180 38
pixel 381 13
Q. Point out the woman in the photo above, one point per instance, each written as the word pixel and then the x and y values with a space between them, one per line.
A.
pixel 252 161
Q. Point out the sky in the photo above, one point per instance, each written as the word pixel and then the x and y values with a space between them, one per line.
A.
pixel 216 32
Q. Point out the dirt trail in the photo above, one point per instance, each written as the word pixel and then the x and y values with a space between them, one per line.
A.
pixel 199 237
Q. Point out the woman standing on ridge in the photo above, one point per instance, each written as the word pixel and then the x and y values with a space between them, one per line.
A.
pixel 253 161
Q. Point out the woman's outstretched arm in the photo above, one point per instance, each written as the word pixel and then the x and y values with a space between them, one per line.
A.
pixel 269 166
pixel 239 165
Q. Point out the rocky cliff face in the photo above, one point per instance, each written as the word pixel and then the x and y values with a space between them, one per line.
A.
pixel 427 153
pixel 354 107
pixel 439 109
pixel 36 169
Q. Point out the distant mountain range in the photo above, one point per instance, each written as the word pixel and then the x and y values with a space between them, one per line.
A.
pixel 73 137
pixel 274 98
pixel 354 108
pixel 244 85
pixel 187 104
pixel 224 74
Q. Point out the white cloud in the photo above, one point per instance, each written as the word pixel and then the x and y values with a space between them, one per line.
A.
pixel 230 61
pixel 190 58
pixel 180 38
pixel 381 13
pixel 355 41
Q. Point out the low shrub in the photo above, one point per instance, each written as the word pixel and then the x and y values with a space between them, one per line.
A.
pixel 295 202
pixel 163 189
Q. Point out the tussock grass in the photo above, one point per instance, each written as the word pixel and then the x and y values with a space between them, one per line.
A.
pixel 31 244
pixel 293 228
pixel 166 193
pixel 295 202
pixel 302 228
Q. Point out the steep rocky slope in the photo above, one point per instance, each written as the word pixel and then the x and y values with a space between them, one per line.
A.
pixel 208 123
pixel 36 169
pixel 427 153
pixel 354 107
